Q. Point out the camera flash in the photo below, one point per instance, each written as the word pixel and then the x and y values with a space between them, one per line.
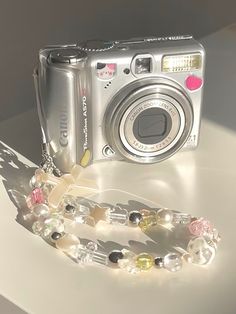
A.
pixel 182 63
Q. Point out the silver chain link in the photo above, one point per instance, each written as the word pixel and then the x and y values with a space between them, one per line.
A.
pixel 47 163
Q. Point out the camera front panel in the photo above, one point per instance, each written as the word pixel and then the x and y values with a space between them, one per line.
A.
pixel 165 122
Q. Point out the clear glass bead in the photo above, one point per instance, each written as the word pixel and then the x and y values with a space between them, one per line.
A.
pixel 52 225
pixel 81 219
pixel 128 262
pixel 100 258
pixel 181 218
pixel 92 246
pixel 116 215
pixel 164 216
pixel 37 227
pixel 46 188
pixel 215 236
pixel 34 183
pixel 83 210
pixel 173 262
pixel 40 210
pixel 81 254
pixel 69 200
pixel 201 251
pixel 85 255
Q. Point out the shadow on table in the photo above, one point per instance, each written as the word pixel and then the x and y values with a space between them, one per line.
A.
pixel 16 176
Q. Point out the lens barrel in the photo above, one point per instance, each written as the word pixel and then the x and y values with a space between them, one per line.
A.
pixel 148 120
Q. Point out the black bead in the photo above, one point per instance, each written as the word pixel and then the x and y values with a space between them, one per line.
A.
pixel 159 262
pixel 114 256
pixel 135 217
pixel 56 235
pixel 69 208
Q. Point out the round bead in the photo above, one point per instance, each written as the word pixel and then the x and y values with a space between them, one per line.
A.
pixel 114 256
pixel 92 246
pixel 51 225
pixel 128 262
pixel 164 216
pixel 201 251
pixel 172 262
pixel 55 236
pixel 40 210
pixel 144 261
pixel 159 262
pixel 34 183
pixel 135 217
pixel 67 243
pixel 187 257
pixel 200 227
pixel 148 220
pixel 37 227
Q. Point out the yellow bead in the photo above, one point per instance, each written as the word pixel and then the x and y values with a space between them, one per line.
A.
pixel 149 219
pixel 144 261
pixel 86 158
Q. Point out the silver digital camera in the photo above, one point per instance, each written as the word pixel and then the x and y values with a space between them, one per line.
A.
pixel 137 99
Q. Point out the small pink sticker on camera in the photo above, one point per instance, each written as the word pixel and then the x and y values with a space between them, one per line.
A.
pixel 193 82
pixel 106 71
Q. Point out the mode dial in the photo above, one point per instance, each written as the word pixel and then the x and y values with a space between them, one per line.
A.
pixel 96 45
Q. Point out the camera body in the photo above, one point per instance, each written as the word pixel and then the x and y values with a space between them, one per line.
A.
pixel 137 99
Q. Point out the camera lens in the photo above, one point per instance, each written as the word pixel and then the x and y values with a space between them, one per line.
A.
pixel 152 125
pixel 148 120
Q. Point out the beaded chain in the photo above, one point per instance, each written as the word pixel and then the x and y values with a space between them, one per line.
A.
pixel 51 203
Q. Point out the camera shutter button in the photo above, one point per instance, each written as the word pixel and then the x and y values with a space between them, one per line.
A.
pixel 72 55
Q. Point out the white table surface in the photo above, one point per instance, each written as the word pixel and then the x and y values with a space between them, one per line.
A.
pixel 40 280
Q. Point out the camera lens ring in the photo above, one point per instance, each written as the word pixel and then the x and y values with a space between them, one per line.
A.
pixel 177 118
pixel 138 91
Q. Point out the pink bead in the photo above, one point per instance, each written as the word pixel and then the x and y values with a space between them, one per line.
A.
pixel 37 196
pixel 200 227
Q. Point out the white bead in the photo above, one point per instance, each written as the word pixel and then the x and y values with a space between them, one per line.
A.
pixel 164 216
pixel 40 210
pixel 67 243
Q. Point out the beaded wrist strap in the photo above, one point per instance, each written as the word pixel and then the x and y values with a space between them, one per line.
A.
pixel 51 203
